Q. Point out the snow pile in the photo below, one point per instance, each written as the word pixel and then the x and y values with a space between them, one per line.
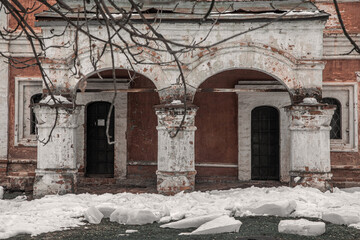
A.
pixel 223 224
pixel 302 227
pixel 1 192
pixel 55 213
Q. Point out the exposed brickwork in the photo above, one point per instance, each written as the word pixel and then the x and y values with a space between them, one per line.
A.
pixel 349 12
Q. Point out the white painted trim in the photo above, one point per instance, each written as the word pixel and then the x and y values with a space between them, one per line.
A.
pixel 246 103
pixel 349 104
pixel 20 119
pixel 120 148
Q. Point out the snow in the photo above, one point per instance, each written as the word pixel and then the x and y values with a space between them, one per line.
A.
pixel 301 227
pixel 1 192
pixel 131 231
pixel 93 215
pixel 191 221
pixel 55 213
pixel 223 224
pixel 58 99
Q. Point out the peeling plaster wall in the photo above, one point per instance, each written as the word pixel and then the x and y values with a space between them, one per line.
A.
pixel 288 50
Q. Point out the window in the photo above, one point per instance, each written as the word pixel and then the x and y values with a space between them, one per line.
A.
pixel 344 134
pixel 34 99
pixel 27 91
pixel 335 124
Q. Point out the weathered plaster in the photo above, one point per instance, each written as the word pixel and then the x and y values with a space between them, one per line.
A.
pixel 56 163
pixel 310 144
pixel 176 159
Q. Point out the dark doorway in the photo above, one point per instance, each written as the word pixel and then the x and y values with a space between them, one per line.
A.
pixel 99 154
pixel 265 143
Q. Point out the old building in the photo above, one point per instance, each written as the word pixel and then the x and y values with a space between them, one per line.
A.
pixel 277 103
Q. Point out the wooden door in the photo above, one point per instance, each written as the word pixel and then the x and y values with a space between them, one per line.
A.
pixel 99 154
pixel 265 143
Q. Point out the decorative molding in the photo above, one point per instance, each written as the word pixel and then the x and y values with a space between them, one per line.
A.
pixel 347 94
pixel 336 45
pixel 24 89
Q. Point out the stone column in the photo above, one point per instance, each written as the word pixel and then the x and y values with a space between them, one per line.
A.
pixel 176 160
pixel 56 160
pixel 310 144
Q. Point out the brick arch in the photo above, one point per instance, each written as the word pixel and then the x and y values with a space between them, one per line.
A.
pixel 85 69
pixel 280 65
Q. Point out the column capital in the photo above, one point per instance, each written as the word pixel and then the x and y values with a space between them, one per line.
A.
pixel 171 115
pixel 310 116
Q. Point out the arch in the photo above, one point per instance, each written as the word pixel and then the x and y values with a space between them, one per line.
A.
pixel 153 72
pixel 282 66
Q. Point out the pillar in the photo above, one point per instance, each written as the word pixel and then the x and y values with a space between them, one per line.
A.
pixel 176 158
pixel 310 144
pixel 56 160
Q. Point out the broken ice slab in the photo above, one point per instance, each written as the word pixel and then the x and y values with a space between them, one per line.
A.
pixel 165 219
pixel 223 224
pixel 341 217
pixel 93 215
pixel 191 222
pixel 106 209
pixel 280 208
pixel 301 227
pixel 133 216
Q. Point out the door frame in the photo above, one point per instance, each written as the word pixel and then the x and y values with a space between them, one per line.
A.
pixel 246 103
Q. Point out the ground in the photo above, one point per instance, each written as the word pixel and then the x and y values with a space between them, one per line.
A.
pixel 253 228
pixel 62 217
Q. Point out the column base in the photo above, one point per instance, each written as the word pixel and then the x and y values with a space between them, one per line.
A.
pixel 170 183
pixel 319 180
pixel 54 181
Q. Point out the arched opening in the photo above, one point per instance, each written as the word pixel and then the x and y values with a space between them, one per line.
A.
pixel 99 153
pixel 216 137
pixel 142 136
pixel 135 121
pixel 265 143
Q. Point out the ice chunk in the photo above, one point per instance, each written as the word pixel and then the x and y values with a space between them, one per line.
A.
pixel 177 216
pixel 301 227
pixel 280 208
pixel 106 209
pixel 341 217
pixel 1 192
pixel 131 231
pixel 221 224
pixel 133 216
pixel 165 219
pixel 93 215
pixel 191 222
